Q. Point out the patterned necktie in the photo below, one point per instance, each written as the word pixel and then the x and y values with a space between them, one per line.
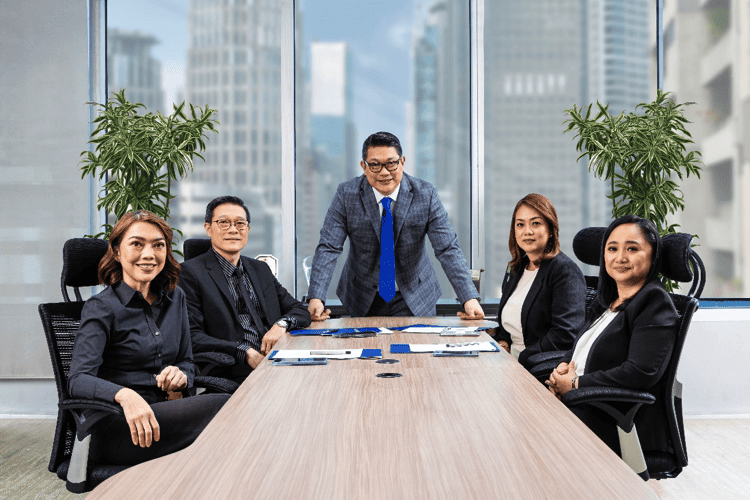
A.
pixel 387 284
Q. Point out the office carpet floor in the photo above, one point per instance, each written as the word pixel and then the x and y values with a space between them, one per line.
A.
pixel 718 450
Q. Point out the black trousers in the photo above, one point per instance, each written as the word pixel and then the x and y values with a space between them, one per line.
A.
pixel 180 423
pixel 396 307
pixel 601 424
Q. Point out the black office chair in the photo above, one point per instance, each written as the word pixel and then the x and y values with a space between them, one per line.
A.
pixel 193 247
pixel 81 258
pixel 72 441
pixel 680 263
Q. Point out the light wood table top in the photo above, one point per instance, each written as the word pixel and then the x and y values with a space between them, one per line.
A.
pixel 450 428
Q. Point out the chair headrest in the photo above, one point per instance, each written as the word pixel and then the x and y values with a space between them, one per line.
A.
pixel 193 247
pixel 587 244
pixel 675 257
pixel 81 258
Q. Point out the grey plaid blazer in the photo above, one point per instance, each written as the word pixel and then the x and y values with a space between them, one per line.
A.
pixel 418 213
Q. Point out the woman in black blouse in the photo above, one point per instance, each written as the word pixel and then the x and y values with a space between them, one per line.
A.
pixel 543 305
pixel 133 347
pixel 630 333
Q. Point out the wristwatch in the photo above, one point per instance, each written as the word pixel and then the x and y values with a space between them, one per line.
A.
pixel 283 324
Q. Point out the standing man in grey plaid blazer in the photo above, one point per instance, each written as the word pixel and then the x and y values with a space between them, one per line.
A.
pixel 357 212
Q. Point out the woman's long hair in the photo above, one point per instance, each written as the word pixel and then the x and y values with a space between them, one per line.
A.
pixel 542 205
pixel 110 270
pixel 607 290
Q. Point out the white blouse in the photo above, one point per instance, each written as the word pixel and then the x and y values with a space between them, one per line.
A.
pixel 511 315
pixel 583 346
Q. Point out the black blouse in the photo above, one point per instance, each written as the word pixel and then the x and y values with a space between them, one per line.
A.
pixel 125 342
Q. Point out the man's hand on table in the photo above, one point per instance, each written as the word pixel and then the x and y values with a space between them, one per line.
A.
pixel 472 310
pixel 317 309
pixel 253 358
pixel 270 338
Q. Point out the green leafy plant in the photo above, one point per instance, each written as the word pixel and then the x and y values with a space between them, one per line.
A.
pixel 138 156
pixel 640 154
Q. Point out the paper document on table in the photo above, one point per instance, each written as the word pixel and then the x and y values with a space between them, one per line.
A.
pixel 444 330
pixel 457 346
pixel 327 353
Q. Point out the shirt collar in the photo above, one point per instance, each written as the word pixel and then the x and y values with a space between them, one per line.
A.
pixel 126 294
pixel 379 196
pixel 227 267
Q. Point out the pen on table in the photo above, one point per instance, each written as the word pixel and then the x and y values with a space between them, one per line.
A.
pixel 329 353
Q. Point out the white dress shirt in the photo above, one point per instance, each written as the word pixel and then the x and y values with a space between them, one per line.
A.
pixel 583 347
pixel 511 315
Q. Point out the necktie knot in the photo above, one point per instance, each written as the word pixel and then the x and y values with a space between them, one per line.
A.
pixel 386 203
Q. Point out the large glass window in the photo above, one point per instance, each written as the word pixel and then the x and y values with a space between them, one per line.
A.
pixel 224 54
pixel 706 61
pixel 540 58
pixel 395 66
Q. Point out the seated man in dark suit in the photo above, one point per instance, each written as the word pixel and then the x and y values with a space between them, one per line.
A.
pixel 235 303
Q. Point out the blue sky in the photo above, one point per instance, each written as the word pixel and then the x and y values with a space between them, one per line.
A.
pixel 379 35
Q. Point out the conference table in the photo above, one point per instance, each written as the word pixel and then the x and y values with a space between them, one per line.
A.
pixel 454 428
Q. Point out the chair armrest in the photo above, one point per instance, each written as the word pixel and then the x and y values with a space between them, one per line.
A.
pixel 542 357
pixel 217 358
pixel 91 404
pixel 216 384
pixel 620 404
pixel 586 395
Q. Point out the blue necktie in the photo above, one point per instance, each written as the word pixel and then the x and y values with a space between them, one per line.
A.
pixel 387 284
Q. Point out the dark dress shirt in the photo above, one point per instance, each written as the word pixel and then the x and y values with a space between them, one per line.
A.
pixel 244 314
pixel 553 311
pixel 125 342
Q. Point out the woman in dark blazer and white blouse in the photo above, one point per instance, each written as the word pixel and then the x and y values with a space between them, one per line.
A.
pixel 543 305
pixel 630 333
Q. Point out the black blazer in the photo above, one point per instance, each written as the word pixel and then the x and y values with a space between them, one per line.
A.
pixel 214 325
pixel 554 309
pixel 633 352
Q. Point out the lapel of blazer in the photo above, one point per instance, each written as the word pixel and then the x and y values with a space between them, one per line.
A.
pixel 534 290
pixel 217 274
pixel 252 272
pixel 402 206
pixel 372 211
pixel 510 287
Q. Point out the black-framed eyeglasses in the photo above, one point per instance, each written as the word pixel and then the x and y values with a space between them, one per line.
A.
pixel 390 166
pixel 225 224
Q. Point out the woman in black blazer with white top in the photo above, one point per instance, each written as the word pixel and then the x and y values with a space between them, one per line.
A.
pixel 543 305
pixel 630 333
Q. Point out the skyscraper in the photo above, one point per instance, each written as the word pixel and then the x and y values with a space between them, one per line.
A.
pixel 131 66
pixel 706 61
pixel 234 66
pixel 541 58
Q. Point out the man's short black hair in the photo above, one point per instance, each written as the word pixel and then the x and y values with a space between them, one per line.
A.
pixel 222 200
pixel 381 139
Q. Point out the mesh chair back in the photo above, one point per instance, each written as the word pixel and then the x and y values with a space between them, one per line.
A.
pixel 81 258
pixel 61 321
pixel 662 465
pixel 193 247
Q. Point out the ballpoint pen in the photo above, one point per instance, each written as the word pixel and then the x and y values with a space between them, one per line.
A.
pixel 329 353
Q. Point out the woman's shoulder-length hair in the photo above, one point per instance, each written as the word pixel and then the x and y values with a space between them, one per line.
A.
pixel 607 289
pixel 545 207
pixel 110 270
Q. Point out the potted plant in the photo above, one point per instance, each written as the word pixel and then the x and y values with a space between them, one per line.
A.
pixel 137 156
pixel 640 155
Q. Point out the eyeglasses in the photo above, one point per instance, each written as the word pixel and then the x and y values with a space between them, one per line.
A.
pixel 225 224
pixel 390 166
